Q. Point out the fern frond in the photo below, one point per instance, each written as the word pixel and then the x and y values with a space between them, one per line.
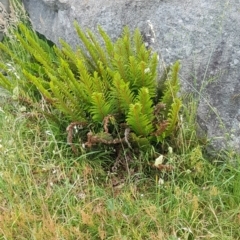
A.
pixel 139 122
pixel 137 41
pixel 74 87
pixel 35 48
pixel 106 77
pixel 126 40
pixel 100 107
pixel 88 45
pixel 171 120
pixel 171 87
pixel 85 81
pixel 145 100
pixel 68 54
pixel 153 65
pixel 133 70
pixel 41 85
pixel 102 56
pixel 59 87
pixel 108 42
pixel 121 95
pixel 161 88
pixel 122 47
pixel 119 64
pixel 173 116
pixel 62 102
pixel 143 54
pixel 65 51
pixel 98 84
pixel 146 78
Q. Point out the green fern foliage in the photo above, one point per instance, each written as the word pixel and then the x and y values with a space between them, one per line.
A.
pixel 99 81
pixel 173 117
pixel 171 87
pixel 100 107
pixel 171 121
pixel 144 98
pixel 139 122
pixel 121 94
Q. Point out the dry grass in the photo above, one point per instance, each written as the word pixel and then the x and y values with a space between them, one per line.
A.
pixel 46 193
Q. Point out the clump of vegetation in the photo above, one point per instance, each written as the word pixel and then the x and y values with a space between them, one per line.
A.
pixel 107 95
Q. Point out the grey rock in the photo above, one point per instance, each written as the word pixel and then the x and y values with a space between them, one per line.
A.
pixel 204 34
pixel 4 14
pixel 6 4
pixel 57 4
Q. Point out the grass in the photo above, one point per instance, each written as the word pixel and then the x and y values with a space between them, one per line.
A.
pixel 46 193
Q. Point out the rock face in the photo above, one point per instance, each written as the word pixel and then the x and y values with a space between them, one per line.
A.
pixel 203 34
pixel 4 11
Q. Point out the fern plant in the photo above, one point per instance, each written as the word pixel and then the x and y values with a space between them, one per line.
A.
pixel 111 88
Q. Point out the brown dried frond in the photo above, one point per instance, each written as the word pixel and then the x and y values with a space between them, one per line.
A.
pixel 161 127
pixel 105 123
pixel 160 106
pixel 70 130
pixel 105 139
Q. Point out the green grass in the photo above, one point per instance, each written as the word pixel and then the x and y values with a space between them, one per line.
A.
pixel 47 193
